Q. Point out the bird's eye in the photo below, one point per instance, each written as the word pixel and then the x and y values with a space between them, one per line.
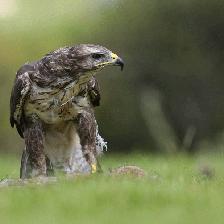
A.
pixel 97 56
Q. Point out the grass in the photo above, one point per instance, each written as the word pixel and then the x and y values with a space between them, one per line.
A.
pixel 177 189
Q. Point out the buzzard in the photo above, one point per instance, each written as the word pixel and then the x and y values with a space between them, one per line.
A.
pixel 52 106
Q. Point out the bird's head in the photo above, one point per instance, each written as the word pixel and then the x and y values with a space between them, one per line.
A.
pixel 89 57
pixel 81 59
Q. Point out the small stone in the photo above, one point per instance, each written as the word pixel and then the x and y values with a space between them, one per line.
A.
pixel 129 171
pixel 207 171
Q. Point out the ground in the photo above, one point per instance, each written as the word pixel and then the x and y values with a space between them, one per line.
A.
pixel 178 189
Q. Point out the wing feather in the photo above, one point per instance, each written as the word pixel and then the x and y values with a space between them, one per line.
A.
pixel 94 91
pixel 18 97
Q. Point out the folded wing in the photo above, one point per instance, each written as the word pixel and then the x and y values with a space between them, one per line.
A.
pixel 19 94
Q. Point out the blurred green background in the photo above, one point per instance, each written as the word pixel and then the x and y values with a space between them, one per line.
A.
pixel 170 96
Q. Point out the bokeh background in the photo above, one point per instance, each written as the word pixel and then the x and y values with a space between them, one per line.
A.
pixel 169 97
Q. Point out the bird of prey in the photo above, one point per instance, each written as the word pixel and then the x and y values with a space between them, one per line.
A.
pixel 52 106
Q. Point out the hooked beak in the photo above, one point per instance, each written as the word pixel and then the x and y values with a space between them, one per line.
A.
pixel 117 61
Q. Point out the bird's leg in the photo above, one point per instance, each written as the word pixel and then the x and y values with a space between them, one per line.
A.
pixel 49 167
pixel 86 127
pixel 33 162
pixel 25 168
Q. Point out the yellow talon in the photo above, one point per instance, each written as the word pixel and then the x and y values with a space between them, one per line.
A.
pixel 93 166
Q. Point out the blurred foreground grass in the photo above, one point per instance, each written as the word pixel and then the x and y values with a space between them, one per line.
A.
pixel 177 189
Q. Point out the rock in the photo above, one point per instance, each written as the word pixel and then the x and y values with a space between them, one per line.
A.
pixel 128 171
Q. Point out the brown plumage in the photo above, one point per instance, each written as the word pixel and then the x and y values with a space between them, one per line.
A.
pixel 52 106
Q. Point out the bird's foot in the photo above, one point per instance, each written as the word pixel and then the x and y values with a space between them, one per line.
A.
pixel 93 168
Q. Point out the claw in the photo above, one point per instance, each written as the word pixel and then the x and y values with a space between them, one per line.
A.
pixel 93 168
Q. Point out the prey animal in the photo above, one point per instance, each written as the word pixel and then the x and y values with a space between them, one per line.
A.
pixel 52 106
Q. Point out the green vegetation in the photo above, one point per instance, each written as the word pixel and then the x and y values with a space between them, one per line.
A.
pixel 177 189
